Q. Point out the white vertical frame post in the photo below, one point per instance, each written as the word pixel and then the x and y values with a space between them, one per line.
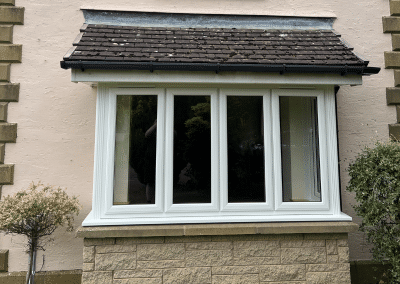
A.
pixel 261 207
pixel 169 148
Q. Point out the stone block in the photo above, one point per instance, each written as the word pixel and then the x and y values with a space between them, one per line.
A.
pixel 97 277
pixel 234 270
pixel 88 254
pixel 343 243
pixel 3 260
pixel 160 251
pixel 9 92
pixel 188 239
pixel 329 277
pixel 209 258
pixel 138 273
pixel 3 112
pixel 398 113
pixel 160 264
pixel 2 153
pixel 138 281
pixel 394 131
pixel 303 243
pixel 134 241
pixel 95 242
pixel 8 132
pixel 397 78
pixel 391 24
pixel 5 72
pixel 256 249
pixel 330 267
pixel 235 279
pixel 393 96
pixel 283 272
pixel 12 15
pixel 343 253
pixel 115 248
pixel 6 33
pixel 199 275
pixel 11 53
pixel 114 261
pixel 395 42
pixel 395 7
pixel 336 236
pixel 392 59
pixel 303 255
pixel 88 266
pixel 256 261
pixel 6 174
pixel 7 2
pixel 333 258
pixel 210 246
pixel 331 247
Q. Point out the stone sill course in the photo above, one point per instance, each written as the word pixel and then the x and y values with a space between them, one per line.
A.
pixel 216 229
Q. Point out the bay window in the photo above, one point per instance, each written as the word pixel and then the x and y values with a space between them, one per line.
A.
pixel 201 155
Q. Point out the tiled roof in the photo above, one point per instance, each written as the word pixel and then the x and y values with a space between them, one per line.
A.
pixel 209 45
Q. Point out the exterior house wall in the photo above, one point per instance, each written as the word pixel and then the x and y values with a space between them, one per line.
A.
pixel 56 118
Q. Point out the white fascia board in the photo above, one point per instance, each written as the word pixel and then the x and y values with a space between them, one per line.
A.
pixel 210 78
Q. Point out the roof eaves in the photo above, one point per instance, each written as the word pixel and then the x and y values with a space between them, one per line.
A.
pixel 281 68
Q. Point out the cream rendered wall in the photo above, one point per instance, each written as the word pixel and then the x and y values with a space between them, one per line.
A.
pixel 56 118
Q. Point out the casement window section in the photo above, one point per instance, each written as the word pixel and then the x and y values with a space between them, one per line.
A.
pixel 176 146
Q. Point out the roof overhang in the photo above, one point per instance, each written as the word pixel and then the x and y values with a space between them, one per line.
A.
pixel 211 78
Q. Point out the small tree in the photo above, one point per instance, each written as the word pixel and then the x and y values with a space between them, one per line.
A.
pixel 36 212
pixel 375 178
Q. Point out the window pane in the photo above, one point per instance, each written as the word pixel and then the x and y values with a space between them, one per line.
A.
pixel 192 150
pixel 299 144
pixel 135 150
pixel 246 174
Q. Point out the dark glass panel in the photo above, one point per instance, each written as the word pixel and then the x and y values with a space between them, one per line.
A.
pixel 192 150
pixel 246 172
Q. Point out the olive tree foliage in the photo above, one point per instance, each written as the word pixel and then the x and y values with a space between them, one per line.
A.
pixel 36 213
pixel 375 179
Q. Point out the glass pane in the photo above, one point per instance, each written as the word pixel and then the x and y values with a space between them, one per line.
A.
pixel 135 150
pixel 192 149
pixel 246 174
pixel 300 149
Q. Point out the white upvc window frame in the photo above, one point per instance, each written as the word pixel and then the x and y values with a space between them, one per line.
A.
pixel 219 210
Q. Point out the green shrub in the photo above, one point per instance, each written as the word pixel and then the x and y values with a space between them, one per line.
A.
pixel 375 178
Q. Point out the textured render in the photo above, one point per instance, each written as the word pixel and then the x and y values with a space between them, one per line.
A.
pixel 302 258
pixel 56 118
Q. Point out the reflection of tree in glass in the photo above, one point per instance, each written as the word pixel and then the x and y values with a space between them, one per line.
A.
pixel 245 149
pixel 198 145
pixel 192 149
pixel 142 148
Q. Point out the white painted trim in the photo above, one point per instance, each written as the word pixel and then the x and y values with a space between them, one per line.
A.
pixel 168 78
pixel 164 212
pixel 324 148
pixel 196 207
pixel 253 206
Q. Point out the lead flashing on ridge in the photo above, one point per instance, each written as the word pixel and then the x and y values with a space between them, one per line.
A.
pixel 180 20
